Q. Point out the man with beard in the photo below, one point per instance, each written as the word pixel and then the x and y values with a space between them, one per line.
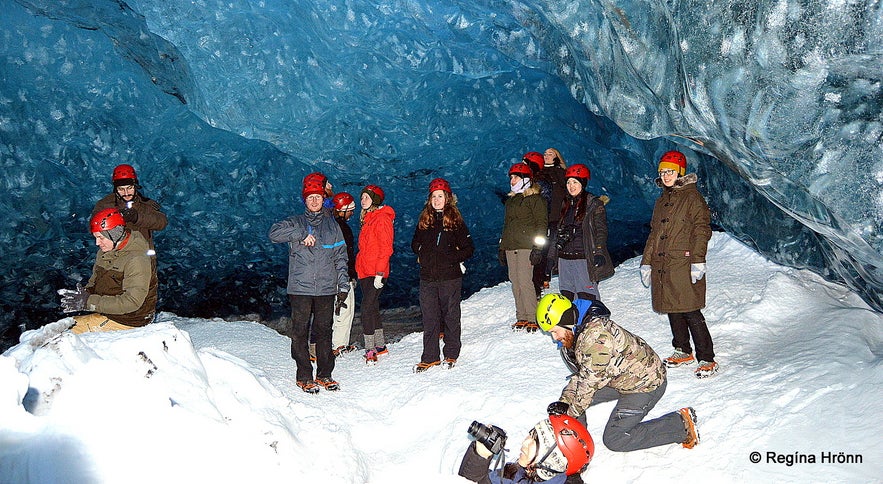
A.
pixel 610 363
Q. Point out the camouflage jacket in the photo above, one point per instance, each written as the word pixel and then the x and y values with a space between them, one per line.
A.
pixel 608 355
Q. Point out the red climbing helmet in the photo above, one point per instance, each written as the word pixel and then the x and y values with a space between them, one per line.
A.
pixel 124 175
pixel 574 441
pixel 343 200
pixel 580 172
pixel 439 184
pixel 313 187
pixel 376 194
pixel 674 160
pixel 521 170
pixel 106 219
pixel 535 159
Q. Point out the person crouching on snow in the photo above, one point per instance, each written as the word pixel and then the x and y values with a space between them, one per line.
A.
pixel 557 450
pixel 610 363
pixel 118 293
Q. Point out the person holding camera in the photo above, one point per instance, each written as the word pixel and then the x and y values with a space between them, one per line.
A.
pixel 557 450
pixel 610 363
pixel 579 245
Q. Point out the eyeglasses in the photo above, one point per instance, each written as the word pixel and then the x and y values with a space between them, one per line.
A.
pixel 668 172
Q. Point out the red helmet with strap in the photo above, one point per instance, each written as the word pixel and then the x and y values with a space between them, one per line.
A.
pixel 376 190
pixel 521 170
pixel 124 175
pixel 574 441
pixel 342 200
pixel 439 184
pixel 106 219
pixel 674 160
pixel 313 187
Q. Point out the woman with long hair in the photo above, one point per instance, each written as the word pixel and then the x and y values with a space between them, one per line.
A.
pixel 372 265
pixel 442 243
pixel 579 245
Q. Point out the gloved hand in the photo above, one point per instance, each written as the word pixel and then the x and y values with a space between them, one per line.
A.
pixel 558 408
pixel 697 271
pixel 598 260
pixel 130 215
pixel 73 300
pixel 536 256
pixel 378 282
pixel 645 275
pixel 340 303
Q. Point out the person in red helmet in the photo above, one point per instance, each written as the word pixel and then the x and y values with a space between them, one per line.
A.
pixel 442 243
pixel 673 263
pixel 557 450
pixel 118 294
pixel 525 224
pixel 579 245
pixel 545 181
pixel 140 213
pixel 344 206
pixel 372 265
pixel 317 283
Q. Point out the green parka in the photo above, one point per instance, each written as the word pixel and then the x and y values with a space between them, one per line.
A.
pixel 123 284
pixel 679 234
pixel 526 218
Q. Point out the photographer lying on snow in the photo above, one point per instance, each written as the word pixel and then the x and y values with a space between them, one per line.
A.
pixel 556 451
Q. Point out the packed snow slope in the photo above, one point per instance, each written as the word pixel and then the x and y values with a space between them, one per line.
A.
pixel 223 106
pixel 191 400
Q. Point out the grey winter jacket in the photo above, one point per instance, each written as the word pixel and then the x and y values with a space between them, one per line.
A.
pixel 320 270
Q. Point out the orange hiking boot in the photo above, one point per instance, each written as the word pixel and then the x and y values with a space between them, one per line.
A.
pixel 689 416
pixel 328 384
pixel 679 358
pixel 520 325
pixel 421 367
pixel 706 369
pixel 308 386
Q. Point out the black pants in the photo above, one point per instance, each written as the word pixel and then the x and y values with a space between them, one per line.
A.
pixel 322 310
pixel 440 305
pixel 683 325
pixel 370 306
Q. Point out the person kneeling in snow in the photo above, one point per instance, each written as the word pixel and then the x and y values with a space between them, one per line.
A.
pixel 610 363
pixel 119 290
pixel 557 450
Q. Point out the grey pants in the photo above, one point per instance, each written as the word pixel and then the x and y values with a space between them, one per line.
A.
pixel 625 430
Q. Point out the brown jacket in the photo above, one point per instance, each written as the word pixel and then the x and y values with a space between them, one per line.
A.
pixel 150 218
pixel 609 356
pixel 123 284
pixel 679 234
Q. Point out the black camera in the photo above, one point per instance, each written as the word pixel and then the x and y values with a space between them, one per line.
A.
pixel 492 437
pixel 565 234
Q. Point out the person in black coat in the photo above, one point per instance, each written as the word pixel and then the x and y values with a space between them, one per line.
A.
pixel 442 243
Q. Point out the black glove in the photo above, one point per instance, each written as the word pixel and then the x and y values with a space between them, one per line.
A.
pixel 501 256
pixel 340 303
pixel 73 300
pixel 558 408
pixel 599 260
pixel 536 256
pixel 130 215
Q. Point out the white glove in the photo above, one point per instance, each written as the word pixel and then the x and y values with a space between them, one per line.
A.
pixel 645 275
pixel 378 282
pixel 463 268
pixel 697 271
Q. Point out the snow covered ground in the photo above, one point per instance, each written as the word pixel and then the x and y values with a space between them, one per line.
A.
pixel 190 400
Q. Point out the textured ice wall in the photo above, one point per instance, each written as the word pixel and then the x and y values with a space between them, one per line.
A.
pixel 224 105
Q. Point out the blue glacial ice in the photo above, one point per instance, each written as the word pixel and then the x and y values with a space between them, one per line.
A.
pixel 223 106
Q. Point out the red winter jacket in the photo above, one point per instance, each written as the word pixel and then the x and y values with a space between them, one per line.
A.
pixel 375 243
